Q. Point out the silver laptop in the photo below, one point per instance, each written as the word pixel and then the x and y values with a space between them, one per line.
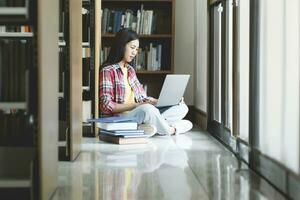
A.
pixel 172 90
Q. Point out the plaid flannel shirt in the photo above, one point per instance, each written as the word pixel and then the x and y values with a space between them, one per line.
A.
pixel 112 87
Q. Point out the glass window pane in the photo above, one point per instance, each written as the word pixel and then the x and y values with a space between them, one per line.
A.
pixel 244 23
pixel 279 81
pixel 228 84
pixel 217 64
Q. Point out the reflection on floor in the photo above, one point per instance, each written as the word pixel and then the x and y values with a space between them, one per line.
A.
pixel 189 166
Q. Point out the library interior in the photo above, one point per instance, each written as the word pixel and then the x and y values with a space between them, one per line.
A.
pixel 233 132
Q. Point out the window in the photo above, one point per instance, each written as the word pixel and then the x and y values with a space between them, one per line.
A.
pixel 244 46
pixel 279 81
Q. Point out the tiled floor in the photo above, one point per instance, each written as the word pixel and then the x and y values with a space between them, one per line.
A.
pixel 189 166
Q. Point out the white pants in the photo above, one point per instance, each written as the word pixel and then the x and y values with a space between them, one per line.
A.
pixel 161 118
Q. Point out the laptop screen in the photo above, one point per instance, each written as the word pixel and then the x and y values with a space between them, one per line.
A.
pixel 173 89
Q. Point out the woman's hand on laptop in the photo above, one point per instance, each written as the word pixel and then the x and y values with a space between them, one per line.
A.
pixel 152 100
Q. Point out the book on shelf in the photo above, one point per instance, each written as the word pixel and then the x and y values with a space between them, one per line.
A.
pixel 86 110
pixel 62 16
pixel 154 57
pixel 86 71
pixel 85 25
pixel 15 29
pixel 121 140
pixel 142 21
pixel 147 58
pixel 20 3
pixel 13 72
pixel 15 129
pixel 86 52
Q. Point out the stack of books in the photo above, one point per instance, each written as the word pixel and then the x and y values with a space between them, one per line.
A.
pixel 120 130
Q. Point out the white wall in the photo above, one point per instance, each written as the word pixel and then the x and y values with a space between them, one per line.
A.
pixel 185 44
pixel 191 48
pixel 201 54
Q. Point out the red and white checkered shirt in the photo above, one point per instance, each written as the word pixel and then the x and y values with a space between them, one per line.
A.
pixel 112 87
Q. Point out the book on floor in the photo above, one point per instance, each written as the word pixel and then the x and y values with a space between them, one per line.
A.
pixel 117 126
pixel 114 119
pixel 115 123
pixel 122 140
pixel 124 133
pixel 125 136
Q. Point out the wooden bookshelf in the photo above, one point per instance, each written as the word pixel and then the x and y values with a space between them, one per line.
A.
pixel 16 35
pixel 87 65
pixel 160 35
pixel 13 105
pixel 28 103
pixel 19 12
pixel 70 82
pixel 91 40
pixel 97 43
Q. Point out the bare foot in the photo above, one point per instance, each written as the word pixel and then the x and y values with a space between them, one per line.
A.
pixel 172 130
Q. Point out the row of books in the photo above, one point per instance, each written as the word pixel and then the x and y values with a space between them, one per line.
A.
pixel 63 82
pixel 62 68
pixel 143 21
pixel 104 54
pixel 148 58
pixel 13 71
pixel 85 64
pixel 85 21
pixel 86 52
pixel 15 128
pixel 120 130
pixel 62 109
pixel 86 68
pixel 62 16
pixel 86 110
pixel 86 72
pixel 10 3
pixel 85 25
pixel 15 29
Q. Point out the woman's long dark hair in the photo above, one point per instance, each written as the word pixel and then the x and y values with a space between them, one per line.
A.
pixel 117 50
